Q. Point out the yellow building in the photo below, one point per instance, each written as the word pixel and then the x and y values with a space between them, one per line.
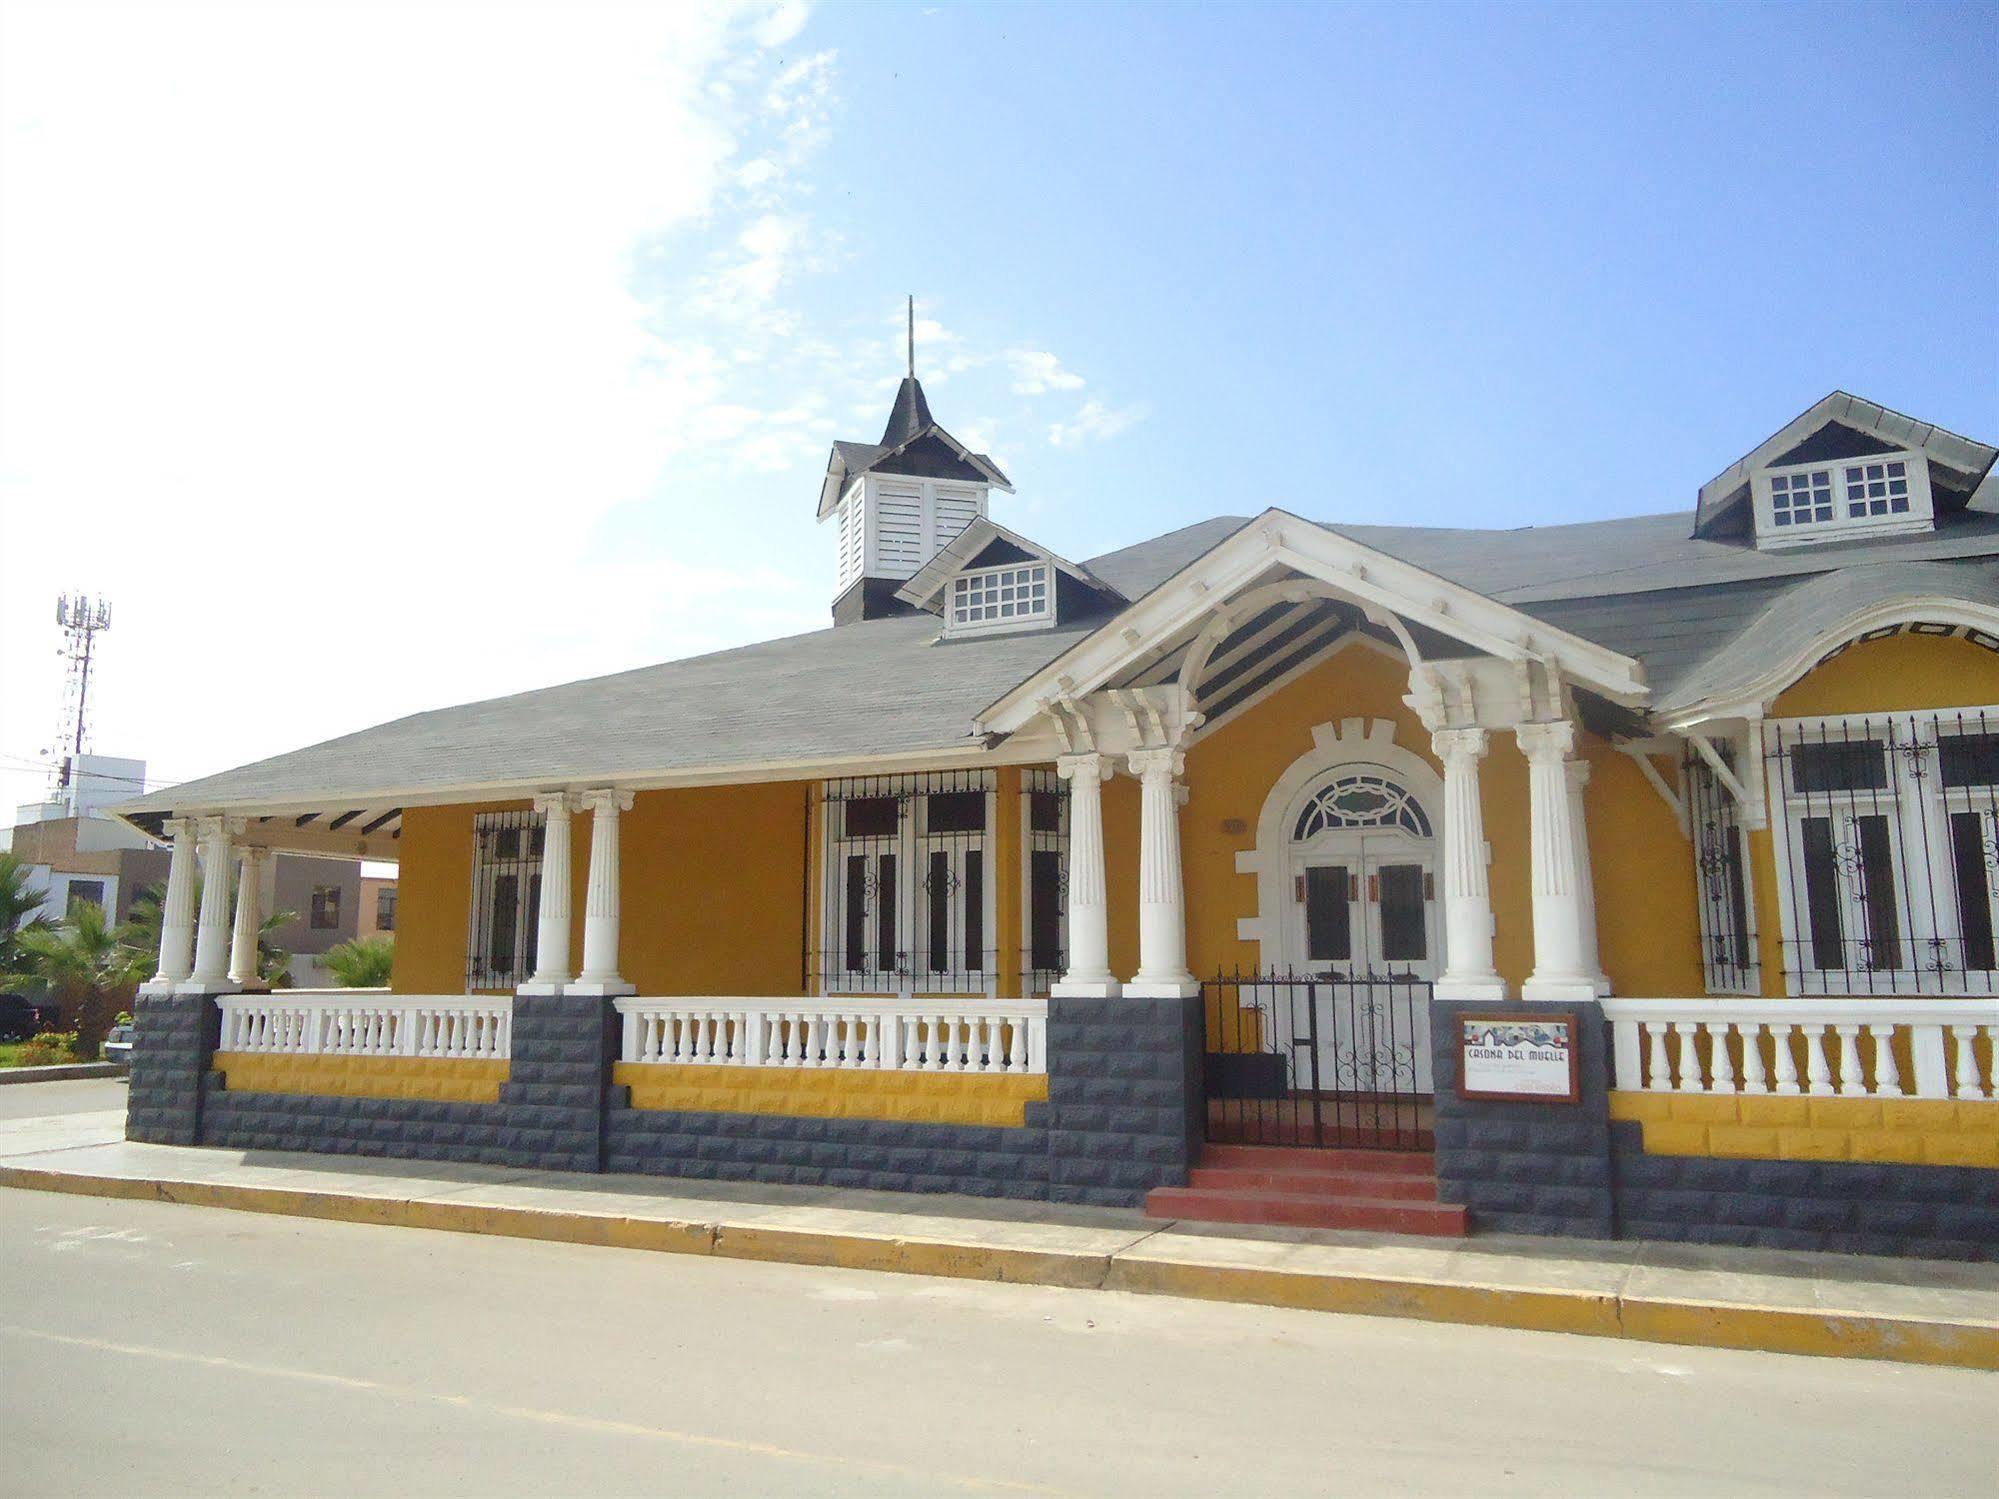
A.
pixel 1706 803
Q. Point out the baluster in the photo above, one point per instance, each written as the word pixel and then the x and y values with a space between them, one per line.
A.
pixel 1690 1057
pixel 939 1042
pixel 1720 1065
pixel 1016 1056
pixel 1753 1078
pixel 1852 1080
pixel 1887 1075
pixel 1786 1060
pixel 648 1038
pixel 1626 1048
pixel 1818 1074
pixel 1659 1069
pixel 994 1059
pixel 1968 1084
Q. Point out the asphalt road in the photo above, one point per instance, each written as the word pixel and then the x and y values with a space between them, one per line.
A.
pixel 150 1348
pixel 85 1096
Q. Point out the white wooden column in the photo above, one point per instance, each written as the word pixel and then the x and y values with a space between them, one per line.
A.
pixel 1592 960
pixel 1468 968
pixel 551 952
pixel 1089 972
pixel 176 910
pixel 244 968
pixel 211 935
pixel 1162 914
pixel 601 899
pixel 1558 908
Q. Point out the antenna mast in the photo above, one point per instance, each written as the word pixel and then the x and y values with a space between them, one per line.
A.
pixel 81 619
pixel 912 336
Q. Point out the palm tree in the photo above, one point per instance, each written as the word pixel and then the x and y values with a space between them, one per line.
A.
pixel 16 901
pixel 363 963
pixel 142 933
pixel 85 961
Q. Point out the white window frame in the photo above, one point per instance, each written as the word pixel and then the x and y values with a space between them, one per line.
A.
pixel 1032 571
pixel 911 844
pixel 1921 912
pixel 1921 514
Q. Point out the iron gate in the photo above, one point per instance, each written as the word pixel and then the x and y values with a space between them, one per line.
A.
pixel 1318 1060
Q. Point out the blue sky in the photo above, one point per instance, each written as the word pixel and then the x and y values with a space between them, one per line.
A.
pixel 469 349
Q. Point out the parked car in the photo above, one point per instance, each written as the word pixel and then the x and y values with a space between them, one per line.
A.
pixel 118 1045
pixel 21 1018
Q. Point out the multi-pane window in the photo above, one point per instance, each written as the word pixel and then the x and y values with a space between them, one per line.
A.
pixel 506 899
pixel 1838 498
pixel 907 905
pixel 385 909
pixel 997 596
pixel 325 907
pixel 84 893
pixel 1045 845
pixel 1889 851
pixel 1801 499
pixel 1877 488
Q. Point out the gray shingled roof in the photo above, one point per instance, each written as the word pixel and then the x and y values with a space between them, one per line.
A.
pixel 1805 612
pixel 1688 609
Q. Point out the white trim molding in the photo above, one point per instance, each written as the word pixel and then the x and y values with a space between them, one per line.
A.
pixel 1371 579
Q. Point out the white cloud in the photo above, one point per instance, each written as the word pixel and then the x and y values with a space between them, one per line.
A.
pixel 321 353
pixel 1036 373
pixel 1095 422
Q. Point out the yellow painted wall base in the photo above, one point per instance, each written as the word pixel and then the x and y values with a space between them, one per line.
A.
pixel 832 1093
pixel 1907 1131
pixel 441 1079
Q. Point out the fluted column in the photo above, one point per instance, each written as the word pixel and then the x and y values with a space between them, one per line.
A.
pixel 177 910
pixel 600 907
pixel 1468 969
pixel 1558 918
pixel 1089 972
pixel 1162 914
pixel 551 950
pixel 244 967
pixel 1592 959
pixel 211 934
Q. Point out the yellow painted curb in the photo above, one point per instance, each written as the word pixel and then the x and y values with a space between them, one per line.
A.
pixel 1826 1334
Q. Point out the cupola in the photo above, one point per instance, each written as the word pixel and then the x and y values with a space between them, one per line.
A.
pixel 897 503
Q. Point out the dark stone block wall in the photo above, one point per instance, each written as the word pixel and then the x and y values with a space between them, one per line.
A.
pixel 1526 1168
pixel 557 1085
pixel 880 1154
pixel 173 1036
pixel 397 1128
pixel 1124 1097
pixel 1858 1207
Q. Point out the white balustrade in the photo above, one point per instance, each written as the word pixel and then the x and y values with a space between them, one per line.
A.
pixel 1754 1046
pixel 368 1023
pixel 943 1035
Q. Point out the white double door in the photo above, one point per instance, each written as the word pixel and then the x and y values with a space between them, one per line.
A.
pixel 1364 915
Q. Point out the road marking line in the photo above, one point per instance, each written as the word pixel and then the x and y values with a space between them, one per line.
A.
pixel 600 1425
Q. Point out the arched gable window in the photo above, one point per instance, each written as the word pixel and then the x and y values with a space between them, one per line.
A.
pixel 1361 799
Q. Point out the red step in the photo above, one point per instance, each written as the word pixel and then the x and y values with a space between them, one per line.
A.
pixel 1373 1184
pixel 1385 1191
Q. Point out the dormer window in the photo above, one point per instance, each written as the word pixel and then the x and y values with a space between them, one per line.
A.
pixel 991 599
pixel 1842 500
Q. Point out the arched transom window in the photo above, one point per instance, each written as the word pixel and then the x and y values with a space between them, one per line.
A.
pixel 1361 799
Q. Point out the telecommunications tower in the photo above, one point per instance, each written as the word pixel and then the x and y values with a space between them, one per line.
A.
pixel 82 619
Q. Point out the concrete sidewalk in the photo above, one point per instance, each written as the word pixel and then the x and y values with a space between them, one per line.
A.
pixel 1835 1305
